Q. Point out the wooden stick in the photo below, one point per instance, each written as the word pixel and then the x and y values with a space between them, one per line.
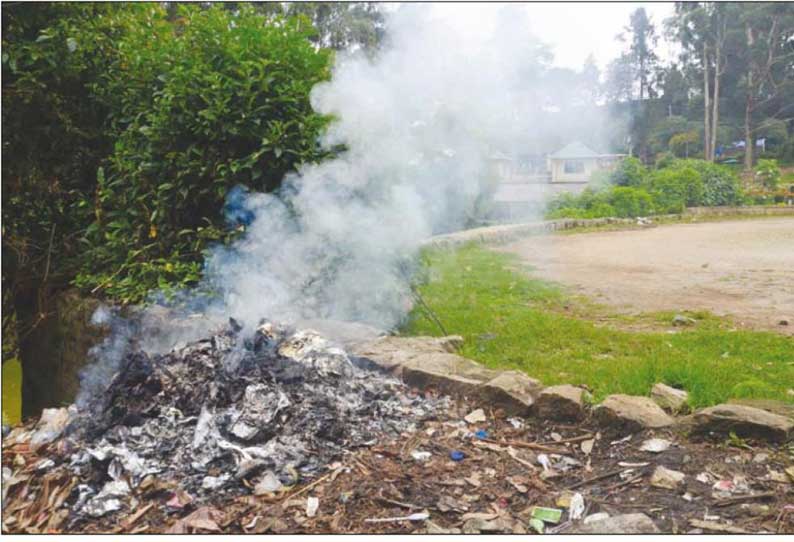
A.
pixel 572 439
pixel 530 445
pixel 597 478
pixel 741 498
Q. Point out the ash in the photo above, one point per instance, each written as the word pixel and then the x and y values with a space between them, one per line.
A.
pixel 277 407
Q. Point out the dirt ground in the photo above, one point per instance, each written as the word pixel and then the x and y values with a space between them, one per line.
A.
pixel 743 269
pixel 738 487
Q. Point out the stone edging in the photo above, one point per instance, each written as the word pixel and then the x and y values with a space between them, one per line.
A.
pixel 431 362
pixel 505 233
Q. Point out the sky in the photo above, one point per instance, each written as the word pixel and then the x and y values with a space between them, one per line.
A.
pixel 573 30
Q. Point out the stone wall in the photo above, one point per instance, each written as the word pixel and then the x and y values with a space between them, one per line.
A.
pixel 506 233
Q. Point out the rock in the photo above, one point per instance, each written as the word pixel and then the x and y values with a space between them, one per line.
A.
pixel 655 445
pixel 475 416
pixel 561 403
pixel 681 320
pixel 435 528
pixel 784 321
pixel 512 391
pixel 666 478
pixel 775 407
pixel 480 525
pixel 631 413
pixel 745 421
pixel 447 373
pixel 390 353
pixel 623 524
pixel 669 398
pixel 595 517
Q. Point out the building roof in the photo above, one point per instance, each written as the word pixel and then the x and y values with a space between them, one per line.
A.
pixel 575 150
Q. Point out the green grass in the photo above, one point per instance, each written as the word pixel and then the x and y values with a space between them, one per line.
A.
pixel 510 320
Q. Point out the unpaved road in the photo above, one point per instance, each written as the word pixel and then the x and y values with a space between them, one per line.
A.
pixel 743 269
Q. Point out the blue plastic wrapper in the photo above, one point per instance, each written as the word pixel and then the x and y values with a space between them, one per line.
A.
pixel 456 455
pixel 481 434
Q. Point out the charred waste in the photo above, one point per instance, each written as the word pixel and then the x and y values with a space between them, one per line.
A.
pixel 230 415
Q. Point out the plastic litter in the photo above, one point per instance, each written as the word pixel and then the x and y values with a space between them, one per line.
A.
pixel 576 507
pixel 419 516
pixel 312 504
pixel 547 515
pixel 456 455
pixel 481 434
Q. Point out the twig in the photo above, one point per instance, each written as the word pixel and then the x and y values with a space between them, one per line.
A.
pixel 597 478
pixel 741 498
pixel 429 311
pixel 49 255
pixel 624 483
pixel 572 439
pixel 308 487
pixel 530 445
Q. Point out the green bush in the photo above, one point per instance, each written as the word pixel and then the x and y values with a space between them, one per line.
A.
pixel 768 173
pixel 720 184
pixel 674 189
pixel 629 172
pixel 630 202
pixel 221 100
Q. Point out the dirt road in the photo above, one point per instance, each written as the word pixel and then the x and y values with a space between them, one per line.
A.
pixel 744 269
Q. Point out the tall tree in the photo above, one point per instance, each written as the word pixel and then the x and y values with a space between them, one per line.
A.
pixel 641 34
pixel 769 63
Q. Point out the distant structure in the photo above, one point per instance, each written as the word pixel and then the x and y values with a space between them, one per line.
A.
pixel 523 186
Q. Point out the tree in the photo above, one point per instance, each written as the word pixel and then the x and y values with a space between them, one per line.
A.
pixel 642 41
pixel 769 64
pixel 343 25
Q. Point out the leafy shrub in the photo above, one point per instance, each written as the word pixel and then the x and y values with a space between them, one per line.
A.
pixel 219 101
pixel 674 189
pixel 629 172
pixel 768 173
pixel 720 184
pixel 630 202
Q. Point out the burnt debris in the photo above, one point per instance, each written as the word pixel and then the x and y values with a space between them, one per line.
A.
pixel 219 414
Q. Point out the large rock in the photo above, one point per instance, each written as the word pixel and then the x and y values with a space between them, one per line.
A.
pixel 512 391
pixel 669 398
pixel 622 524
pixel 391 353
pixel 448 373
pixel 631 413
pixel 561 403
pixel 743 420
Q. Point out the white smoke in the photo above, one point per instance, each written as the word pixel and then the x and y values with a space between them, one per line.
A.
pixel 339 240
pixel 419 123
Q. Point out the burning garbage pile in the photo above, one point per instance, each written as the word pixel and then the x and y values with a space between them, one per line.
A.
pixel 228 415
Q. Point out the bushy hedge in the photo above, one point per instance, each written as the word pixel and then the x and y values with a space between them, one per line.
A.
pixel 630 190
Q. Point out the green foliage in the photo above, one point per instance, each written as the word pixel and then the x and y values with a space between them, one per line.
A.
pixel 720 184
pixel 768 173
pixel 630 202
pixel 220 100
pixel 674 189
pixel 629 172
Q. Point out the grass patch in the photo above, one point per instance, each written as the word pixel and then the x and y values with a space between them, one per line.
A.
pixel 510 320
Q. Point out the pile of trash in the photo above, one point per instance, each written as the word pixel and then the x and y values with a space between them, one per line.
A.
pixel 226 416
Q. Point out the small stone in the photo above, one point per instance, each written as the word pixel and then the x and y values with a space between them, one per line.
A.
pixel 666 478
pixel 669 398
pixel 595 517
pixel 560 403
pixel 623 524
pixel 512 391
pixel 681 320
pixel 475 416
pixel 784 321
pixel 655 445
pixel 632 413
pixel 760 458
pixel 587 446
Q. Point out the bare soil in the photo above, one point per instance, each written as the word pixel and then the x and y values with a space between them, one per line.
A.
pixel 742 269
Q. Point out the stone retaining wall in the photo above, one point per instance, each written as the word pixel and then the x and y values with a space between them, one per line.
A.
pixel 430 363
pixel 506 233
